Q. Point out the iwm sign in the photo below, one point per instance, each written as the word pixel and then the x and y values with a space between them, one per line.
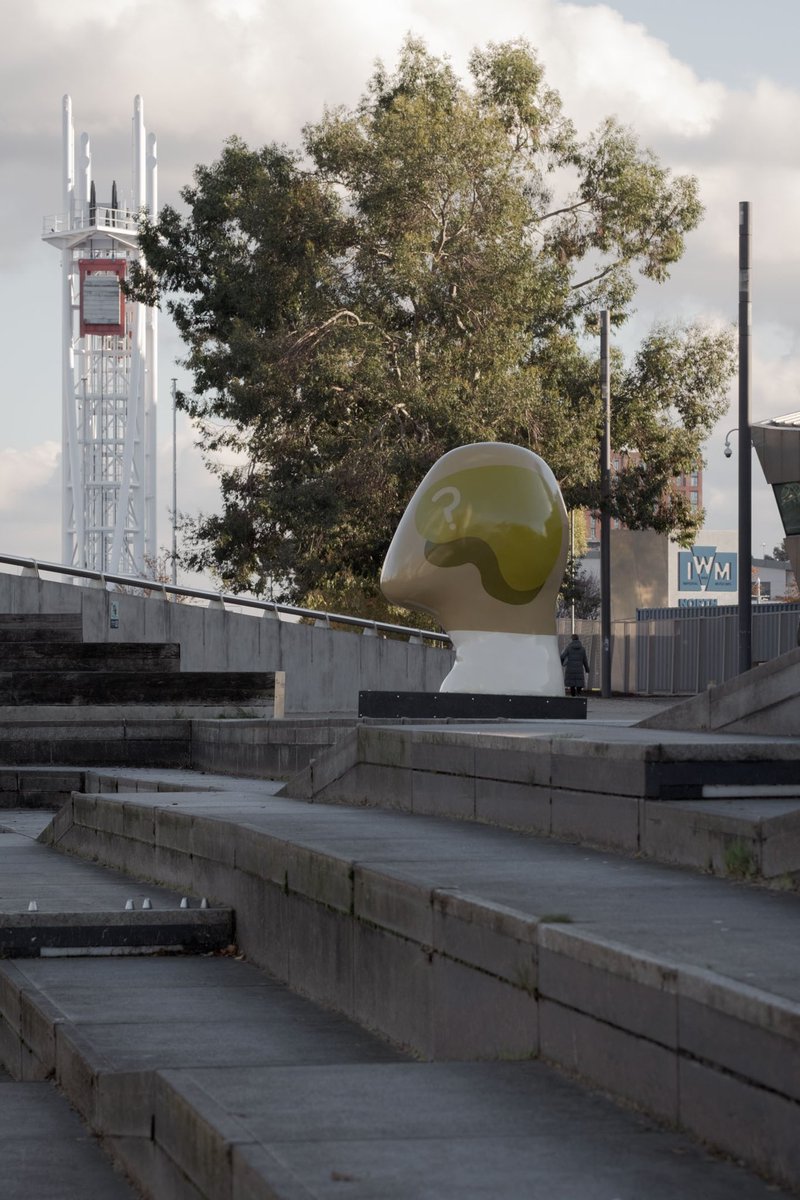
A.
pixel 707 576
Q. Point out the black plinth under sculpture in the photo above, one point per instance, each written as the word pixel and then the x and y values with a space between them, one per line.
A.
pixel 475 706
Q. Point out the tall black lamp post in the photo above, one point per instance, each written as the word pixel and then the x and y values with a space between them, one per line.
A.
pixel 605 513
pixel 745 455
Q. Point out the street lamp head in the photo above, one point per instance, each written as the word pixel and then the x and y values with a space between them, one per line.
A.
pixel 727 450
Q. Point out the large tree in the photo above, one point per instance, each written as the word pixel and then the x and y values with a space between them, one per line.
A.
pixel 426 272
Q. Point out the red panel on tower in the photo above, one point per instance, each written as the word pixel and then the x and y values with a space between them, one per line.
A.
pixel 102 297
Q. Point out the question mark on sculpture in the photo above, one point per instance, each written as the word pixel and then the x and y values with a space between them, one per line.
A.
pixel 452 504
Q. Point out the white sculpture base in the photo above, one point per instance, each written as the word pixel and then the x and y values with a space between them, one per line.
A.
pixel 506 664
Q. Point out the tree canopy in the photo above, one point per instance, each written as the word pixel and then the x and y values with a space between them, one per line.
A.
pixel 426 270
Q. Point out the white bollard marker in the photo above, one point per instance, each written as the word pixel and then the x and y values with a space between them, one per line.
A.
pixel 184 902
pixel 146 903
pixel 204 903
pixel 128 906
pixel 33 906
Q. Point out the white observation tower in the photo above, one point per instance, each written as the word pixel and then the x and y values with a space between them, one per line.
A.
pixel 109 361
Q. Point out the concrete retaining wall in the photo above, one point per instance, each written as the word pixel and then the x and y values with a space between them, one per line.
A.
pixel 325 669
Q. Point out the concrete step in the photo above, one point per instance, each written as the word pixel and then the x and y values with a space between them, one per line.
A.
pixel 28 821
pixel 48 1153
pixel 206 1079
pixel 52 905
pixel 40 627
pixel 65 736
pixel 33 794
pixel 726 804
pixel 90 656
pixel 78 688
pixel 45 788
pixel 677 992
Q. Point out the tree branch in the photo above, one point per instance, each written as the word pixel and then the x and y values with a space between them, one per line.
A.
pixel 594 278
pixel 312 336
pixel 557 212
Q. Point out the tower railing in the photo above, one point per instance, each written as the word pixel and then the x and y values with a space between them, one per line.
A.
pixel 102 217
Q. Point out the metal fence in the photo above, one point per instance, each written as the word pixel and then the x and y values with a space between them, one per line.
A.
pixel 680 651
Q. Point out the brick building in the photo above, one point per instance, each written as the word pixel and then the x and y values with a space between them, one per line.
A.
pixel 689 484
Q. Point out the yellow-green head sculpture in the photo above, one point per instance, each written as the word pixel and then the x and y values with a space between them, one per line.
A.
pixel 483 543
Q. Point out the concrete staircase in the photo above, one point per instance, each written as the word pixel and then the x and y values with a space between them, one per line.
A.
pixel 619 904
pixel 213 1081
pixel 672 990
pixel 66 701
pixel 726 805
pixel 43 661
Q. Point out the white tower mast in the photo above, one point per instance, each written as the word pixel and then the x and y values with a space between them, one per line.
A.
pixel 109 365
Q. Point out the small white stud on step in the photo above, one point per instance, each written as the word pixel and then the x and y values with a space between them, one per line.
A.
pixel 128 906
pixel 33 906
pixel 204 903
pixel 184 902
pixel 146 903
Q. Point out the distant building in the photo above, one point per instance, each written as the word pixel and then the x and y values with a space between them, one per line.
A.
pixel 649 570
pixel 689 484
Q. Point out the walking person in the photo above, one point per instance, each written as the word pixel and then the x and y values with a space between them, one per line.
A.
pixel 574 656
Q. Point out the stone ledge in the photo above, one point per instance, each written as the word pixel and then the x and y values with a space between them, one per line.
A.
pixel 637 798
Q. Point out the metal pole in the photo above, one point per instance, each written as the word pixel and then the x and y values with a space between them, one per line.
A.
pixel 174 484
pixel 745 453
pixel 572 566
pixel 605 515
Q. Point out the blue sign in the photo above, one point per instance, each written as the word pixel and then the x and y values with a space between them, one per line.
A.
pixel 706 569
pixel 698 603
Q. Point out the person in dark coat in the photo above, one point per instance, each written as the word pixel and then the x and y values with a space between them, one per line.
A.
pixel 574 656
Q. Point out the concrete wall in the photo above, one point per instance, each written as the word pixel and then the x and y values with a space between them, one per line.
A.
pixel 325 669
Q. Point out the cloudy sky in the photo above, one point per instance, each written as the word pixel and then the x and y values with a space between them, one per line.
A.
pixel 710 85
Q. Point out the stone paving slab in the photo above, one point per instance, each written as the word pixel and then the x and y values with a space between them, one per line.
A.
pixel 58 883
pixel 458 1131
pixel 24 821
pixel 46 1151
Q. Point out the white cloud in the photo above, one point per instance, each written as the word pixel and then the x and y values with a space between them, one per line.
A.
pixel 26 471
pixel 604 64
pixel 30 501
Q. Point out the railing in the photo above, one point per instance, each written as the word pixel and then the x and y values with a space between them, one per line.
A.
pixel 102 216
pixel 33 566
